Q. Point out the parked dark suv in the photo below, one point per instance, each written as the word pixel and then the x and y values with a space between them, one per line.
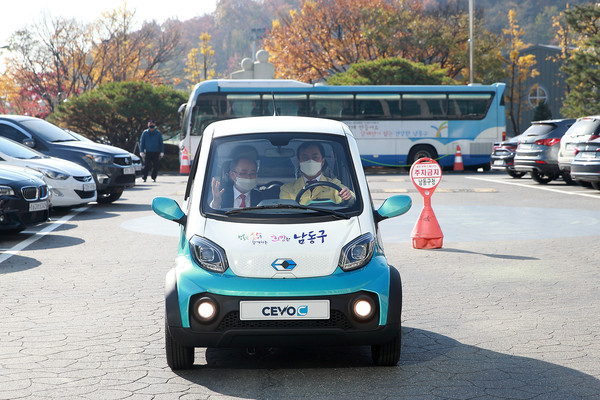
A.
pixel 111 167
pixel 537 152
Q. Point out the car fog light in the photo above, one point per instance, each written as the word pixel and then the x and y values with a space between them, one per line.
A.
pixel 363 308
pixel 57 193
pixel 102 178
pixel 205 309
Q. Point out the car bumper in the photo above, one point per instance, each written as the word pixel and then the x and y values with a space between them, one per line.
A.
pixel 589 172
pixel 16 214
pixel 546 167
pixel 379 282
pixel 114 178
pixel 72 192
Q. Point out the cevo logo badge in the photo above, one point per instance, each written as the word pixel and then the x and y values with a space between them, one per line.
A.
pixel 284 264
pixel 285 311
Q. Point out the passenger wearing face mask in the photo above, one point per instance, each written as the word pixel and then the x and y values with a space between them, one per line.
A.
pixel 311 161
pixel 241 193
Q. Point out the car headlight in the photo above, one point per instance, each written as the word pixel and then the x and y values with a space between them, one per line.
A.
pixel 208 255
pixel 357 253
pixel 6 191
pixel 52 174
pixel 100 159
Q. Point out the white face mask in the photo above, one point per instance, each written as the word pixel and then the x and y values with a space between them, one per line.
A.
pixel 245 184
pixel 310 168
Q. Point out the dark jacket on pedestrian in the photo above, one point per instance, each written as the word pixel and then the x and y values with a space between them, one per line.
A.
pixel 152 142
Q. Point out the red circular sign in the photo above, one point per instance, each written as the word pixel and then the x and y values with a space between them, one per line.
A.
pixel 426 174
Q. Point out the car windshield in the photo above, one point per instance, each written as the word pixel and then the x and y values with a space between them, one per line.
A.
pixel 16 150
pixel 48 131
pixel 281 175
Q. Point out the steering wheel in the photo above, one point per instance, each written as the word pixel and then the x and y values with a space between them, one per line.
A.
pixel 272 184
pixel 314 185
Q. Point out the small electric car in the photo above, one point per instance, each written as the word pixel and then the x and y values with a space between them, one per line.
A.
pixel 296 260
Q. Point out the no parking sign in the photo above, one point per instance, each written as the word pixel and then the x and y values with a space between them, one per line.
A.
pixel 426 175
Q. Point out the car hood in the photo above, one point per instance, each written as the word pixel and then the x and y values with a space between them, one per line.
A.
pixel 64 166
pixel 259 250
pixel 91 146
pixel 10 173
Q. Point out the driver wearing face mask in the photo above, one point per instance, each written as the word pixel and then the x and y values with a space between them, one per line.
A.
pixel 242 192
pixel 311 161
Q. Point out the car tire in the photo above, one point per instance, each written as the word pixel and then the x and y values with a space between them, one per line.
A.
pixel 387 354
pixel 178 356
pixel 109 197
pixel 516 174
pixel 541 178
pixel 596 185
pixel 421 151
pixel 567 178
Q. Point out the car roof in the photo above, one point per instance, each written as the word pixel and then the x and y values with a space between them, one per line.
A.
pixel 273 124
pixel 17 118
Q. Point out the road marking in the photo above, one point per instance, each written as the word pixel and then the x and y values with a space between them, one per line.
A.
pixel 38 235
pixel 595 196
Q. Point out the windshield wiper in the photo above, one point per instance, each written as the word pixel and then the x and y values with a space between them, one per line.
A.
pixel 289 206
pixel 64 140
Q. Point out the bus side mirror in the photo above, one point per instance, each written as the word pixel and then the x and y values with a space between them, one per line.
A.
pixel 392 207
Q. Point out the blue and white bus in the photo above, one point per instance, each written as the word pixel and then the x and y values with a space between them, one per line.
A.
pixel 393 125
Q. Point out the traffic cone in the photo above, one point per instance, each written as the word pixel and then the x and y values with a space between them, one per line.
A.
pixel 184 165
pixel 458 162
pixel 427 233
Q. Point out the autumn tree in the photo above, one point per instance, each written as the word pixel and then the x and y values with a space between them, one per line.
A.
pixel 119 112
pixel 520 67
pixel 59 58
pixel 328 36
pixel 583 74
pixel 200 65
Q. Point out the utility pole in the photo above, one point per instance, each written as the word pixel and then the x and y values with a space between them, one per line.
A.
pixel 471 42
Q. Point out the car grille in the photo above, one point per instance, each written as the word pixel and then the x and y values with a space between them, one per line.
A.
pixel 85 194
pixel 336 320
pixel 124 161
pixel 84 178
pixel 33 193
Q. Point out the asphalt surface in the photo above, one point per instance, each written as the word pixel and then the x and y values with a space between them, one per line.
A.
pixel 506 309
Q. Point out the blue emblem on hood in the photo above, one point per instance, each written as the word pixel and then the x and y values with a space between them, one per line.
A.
pixel 283 264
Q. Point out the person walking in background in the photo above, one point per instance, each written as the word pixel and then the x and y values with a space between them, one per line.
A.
pixel 152 149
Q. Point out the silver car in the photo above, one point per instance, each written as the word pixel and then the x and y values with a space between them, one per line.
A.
pixel 583 130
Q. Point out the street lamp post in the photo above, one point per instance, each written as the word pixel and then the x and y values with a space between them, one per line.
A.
pixel 470 42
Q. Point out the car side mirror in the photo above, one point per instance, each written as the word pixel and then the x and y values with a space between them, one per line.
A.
pixel 29 142
pixel 392 207
pixel 168 209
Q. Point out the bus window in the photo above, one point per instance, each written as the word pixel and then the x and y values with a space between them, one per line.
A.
pixel 424 106
pixel 377 106
pixel 469 106
pixel 333 105
pixel 288 104
pixel 243 105
pixel 205 110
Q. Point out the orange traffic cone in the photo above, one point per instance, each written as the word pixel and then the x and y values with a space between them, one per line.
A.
pixel 184 165
pixel 427 233
pixel 458 162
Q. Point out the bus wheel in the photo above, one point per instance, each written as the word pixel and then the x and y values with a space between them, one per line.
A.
pixel 421 151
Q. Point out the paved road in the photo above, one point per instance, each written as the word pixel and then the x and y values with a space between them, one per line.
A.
pixel 507 309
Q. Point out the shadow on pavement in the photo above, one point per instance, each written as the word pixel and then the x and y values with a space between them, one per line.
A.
pixel 432 366
pixel 18 263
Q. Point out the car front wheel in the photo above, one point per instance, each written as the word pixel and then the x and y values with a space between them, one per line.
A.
pixel 178 356
pixel 387 354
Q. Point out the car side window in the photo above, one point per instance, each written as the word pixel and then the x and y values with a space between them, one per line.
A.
pixel 12 133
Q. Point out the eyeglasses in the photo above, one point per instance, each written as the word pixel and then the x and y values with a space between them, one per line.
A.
pixel 245 174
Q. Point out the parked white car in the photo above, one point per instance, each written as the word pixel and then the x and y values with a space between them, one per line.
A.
pixel 70 184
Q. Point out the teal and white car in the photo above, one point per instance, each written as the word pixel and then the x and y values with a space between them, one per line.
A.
pixel 281 271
